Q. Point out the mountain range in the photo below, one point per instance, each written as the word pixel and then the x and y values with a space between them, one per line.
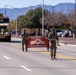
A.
pixel 13 13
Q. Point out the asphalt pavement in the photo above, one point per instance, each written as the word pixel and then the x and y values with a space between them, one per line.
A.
pixel 37 61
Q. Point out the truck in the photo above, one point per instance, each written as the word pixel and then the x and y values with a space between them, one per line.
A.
pixel 5 32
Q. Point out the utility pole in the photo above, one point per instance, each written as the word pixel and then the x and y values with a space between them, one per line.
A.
pixel 75 15
pixel 15 15
pixel 53 17
pixel 5 10
pixel 74 27
pixel 43 18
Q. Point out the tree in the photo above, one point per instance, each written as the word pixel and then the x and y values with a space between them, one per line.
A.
pixel 55 19
pixel 12 24
pixel 31 19
pixel 21 21
pixel 71 18
pixel 61 19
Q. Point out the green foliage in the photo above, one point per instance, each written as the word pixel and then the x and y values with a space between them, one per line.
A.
pixel 12 25
pixel 31 19
pixel 21 21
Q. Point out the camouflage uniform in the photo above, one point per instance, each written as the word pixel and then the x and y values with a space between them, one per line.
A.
pixel 47 32
pixel 53 38
pixel 24 40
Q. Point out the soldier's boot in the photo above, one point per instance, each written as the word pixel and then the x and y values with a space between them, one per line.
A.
pixel 23 49
pixel 55 54
pixel 26 49
pixel 48 49
pixel 55 58
pixel 51 57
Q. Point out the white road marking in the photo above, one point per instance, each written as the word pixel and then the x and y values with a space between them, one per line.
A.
pixel 7 57
pixel 25 68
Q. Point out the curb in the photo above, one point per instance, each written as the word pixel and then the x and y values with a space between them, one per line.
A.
pixel 67 44
pixel 19 39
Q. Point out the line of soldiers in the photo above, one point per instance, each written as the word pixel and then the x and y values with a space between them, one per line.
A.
pixel 53 39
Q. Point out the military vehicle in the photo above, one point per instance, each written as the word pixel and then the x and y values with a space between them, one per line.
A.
pixel 5 28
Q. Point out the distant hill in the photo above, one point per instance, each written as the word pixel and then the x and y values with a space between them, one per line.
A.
pixel 61 7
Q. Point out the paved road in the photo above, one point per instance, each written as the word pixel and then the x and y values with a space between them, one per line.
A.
pixel 36 61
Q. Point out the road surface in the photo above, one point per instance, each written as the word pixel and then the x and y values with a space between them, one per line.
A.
pixel 36 61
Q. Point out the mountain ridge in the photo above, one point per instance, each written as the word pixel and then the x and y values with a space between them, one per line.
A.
pixel 13 13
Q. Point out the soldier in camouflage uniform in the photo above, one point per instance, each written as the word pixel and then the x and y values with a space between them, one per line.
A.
pixel 24 40
pixel 53 38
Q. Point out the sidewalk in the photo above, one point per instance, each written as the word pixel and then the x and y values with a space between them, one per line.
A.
pixel 63 40
pixel 67 40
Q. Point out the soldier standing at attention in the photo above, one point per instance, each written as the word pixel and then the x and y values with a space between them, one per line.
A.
pixel 53 39
pixel 24 40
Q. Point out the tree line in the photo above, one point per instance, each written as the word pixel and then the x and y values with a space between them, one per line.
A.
pixel 33 19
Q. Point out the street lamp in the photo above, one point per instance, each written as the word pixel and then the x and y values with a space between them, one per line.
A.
pixel 53 17
pixel 75 14
pixel 16 16
pixel 75 21
pixel 74 27
pixel 43 18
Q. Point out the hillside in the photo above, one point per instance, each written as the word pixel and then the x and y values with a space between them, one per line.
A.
pixel 61 7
